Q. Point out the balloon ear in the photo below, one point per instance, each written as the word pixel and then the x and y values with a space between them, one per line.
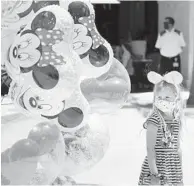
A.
pixel 154 77
pixel 174 77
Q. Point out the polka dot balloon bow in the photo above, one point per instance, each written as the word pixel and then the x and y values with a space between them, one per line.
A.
pixel 63 70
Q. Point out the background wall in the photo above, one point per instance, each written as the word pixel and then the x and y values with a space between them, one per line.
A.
pixel 182 12
pixel 191 46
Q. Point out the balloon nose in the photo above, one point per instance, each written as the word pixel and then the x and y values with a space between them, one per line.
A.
pixel 15 52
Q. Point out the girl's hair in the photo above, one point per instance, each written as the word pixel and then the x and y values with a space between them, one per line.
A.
pixel 179 101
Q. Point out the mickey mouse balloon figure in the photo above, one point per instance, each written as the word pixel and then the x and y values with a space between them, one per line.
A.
pixel 64 78
pixel 106 83
pixel 46 85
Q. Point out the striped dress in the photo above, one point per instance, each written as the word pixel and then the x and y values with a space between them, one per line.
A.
pixel 166 150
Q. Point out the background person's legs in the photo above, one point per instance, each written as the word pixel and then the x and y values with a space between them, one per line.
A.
pixel 166 65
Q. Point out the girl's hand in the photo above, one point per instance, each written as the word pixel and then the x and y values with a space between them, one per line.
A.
pixel 155 180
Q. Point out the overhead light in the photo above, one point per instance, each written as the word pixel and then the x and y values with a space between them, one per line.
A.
pixel 105 1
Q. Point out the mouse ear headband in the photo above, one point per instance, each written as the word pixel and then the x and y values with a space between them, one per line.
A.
pixel 173 77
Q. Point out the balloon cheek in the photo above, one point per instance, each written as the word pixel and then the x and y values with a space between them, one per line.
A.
pixel 29 59
pixel 51 109
pixel 83 45
pixel 81 42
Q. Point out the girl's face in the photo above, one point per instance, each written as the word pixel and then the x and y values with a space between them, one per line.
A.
pixel 166 93
pixel 165 99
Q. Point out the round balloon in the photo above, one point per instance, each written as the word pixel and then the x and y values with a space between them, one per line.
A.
pixel 46 135
pixel 86 147
pixel 37 165
pixel 22 149
pixel 50 165
pixel 95 52
pixel 108 92
pixel 23 155
pixel 41 64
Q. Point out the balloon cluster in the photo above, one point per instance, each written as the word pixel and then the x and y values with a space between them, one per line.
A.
pixel 63 70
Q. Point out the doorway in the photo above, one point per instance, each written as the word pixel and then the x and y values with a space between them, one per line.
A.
pixel 139 20
pixel 107 21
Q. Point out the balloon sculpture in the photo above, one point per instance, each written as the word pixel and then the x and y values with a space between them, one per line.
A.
pixel 63 72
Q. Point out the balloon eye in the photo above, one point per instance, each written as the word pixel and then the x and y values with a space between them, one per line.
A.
pixel 33 102
pixel 23 56
pixel 15 52
pixel 23 44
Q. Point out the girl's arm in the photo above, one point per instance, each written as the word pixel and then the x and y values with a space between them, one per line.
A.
pixel 151 141
pixel 179 151
pixel 180 156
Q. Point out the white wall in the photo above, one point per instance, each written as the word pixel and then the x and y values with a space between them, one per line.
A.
pixel 191 47
pixel 182 12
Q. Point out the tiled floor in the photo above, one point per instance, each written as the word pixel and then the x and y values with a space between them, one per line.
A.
pixel 122 162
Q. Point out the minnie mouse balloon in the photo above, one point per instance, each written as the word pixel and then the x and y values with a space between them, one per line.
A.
pixel 15 15
pixel 41 64
pixel 95 52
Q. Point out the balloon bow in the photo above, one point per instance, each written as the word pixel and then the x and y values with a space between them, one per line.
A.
pixel 90 22
pixel 173 77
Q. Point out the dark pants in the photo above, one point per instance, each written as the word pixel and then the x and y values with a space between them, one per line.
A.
pixel 170 64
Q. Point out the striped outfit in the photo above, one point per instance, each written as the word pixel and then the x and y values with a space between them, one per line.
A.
pixel 166 150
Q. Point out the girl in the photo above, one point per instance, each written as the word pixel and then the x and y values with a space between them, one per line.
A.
pixel 162 165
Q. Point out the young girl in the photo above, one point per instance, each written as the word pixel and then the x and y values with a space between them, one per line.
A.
pixel 162 165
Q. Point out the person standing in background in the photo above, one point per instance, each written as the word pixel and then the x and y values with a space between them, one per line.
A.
pixel 123 54
pixel 170 42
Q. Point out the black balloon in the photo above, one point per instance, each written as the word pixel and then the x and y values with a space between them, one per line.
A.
pixel 78 9
pixel 46 77
pixel 99 57
pixel 71 117
pixel 46 20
